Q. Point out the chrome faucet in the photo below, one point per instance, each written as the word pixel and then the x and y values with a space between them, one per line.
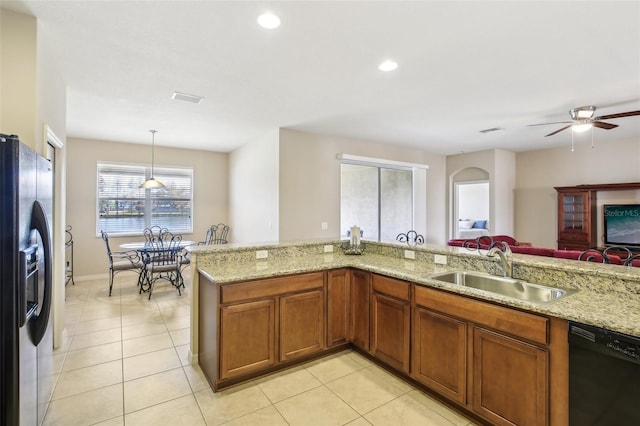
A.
pixel 505 256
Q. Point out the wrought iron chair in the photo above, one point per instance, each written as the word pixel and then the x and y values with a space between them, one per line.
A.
pixel 120 261
pixel 153 232
pixel 162 260
pixel 216 234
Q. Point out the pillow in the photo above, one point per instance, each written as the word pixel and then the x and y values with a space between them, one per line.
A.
pixel 465 224
pixel 480 224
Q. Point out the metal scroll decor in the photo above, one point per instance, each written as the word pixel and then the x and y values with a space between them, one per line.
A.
pixel 412 238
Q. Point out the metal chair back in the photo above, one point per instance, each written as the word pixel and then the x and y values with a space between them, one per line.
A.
pixel 217 234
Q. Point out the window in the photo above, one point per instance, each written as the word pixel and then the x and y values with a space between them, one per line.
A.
pixel 125 209
pixel 378 199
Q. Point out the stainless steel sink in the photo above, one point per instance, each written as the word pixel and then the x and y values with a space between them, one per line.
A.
pixel 509 287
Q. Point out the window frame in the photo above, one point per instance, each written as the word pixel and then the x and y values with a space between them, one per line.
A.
pixel 144 171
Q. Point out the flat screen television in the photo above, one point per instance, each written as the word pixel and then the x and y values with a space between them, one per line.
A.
pixel 622 225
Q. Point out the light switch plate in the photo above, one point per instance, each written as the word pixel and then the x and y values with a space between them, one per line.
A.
pixel 409 254
pixel 328 248
pixel 262 254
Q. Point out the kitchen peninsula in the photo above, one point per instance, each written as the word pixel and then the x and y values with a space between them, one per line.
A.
pixel 258 309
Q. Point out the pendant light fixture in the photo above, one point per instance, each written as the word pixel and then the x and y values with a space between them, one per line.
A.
pixel 152 183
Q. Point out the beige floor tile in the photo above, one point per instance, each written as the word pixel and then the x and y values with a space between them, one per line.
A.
pixel 89 326
pixel 142 317
pixel 405 411
pixel 439 408
pixel 196 378
pixel 81 341
pixel 150 363
pixel 360 421
pixel 86 408
pixel 183 353
pixel 360 359
pixel 230 404
pixel 368 389
pixel 89 378
pixel 116 421
pixel 92 312
pixel 318 406
pixel 179 411
pixel 287 383
pixel 181 336
pixel 144 329
pixel 155 389
pixel 145 344
pixel 331 368
pixel 177 323
pixel 265 416
pixel 92 355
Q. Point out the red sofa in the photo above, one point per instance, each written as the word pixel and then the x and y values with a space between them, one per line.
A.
pixel 486 242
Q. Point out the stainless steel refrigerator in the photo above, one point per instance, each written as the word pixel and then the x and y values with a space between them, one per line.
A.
pixel 26 201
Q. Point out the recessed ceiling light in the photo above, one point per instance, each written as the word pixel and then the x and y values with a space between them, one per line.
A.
pixel 187 98
pixel 269 20
pixel 388 65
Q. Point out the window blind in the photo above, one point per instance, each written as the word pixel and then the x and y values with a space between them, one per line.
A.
pixel 123 208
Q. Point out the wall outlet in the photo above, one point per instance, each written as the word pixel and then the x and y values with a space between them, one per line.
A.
pixel 262 254
pixel 440 259
pixel 328 248
pixel 324 226
pixel 409 254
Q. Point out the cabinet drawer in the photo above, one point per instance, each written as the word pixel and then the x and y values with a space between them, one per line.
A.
pixel 392 287
pixel 259 289
pixel 521 324
pixel 575 236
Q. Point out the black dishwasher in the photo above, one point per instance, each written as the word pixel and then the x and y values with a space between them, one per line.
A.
pixel 604 377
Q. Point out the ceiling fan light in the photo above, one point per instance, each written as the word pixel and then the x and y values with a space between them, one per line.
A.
pixel 581 127
pixel 582 113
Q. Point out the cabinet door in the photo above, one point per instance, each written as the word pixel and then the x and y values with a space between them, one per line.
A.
pixel 359 300
pixel 247 338
pixel 390 331
pixel 301 324
pixel 510 380
pixel 439 353
pixel 338 290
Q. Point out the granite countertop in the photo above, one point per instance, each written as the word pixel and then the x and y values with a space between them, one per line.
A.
pixel 615 309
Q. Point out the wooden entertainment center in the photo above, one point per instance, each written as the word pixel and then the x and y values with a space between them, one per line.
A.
pixel 577 214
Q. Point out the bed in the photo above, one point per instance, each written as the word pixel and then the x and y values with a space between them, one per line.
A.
pixel 469 228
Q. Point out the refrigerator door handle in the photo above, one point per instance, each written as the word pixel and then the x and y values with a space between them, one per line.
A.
pixel 38 324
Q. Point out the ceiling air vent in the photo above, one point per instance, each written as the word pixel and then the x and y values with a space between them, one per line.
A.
pixel 493 129
pixel 187 98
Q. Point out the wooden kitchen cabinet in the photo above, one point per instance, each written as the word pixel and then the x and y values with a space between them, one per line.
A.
pixel 510 380
pixel 301 324
pixel 338 306
pixel 247 338
pixel 360 293
pixel 439 353
pixel 390 321
pixel 495 361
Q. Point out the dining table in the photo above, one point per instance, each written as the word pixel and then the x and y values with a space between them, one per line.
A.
pixel 149 251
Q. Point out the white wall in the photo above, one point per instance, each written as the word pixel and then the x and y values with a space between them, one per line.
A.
pixel 473 200
pixel 538 172
pixel 253 190
pixel 209 193
pixel 500 166
pixel 310 183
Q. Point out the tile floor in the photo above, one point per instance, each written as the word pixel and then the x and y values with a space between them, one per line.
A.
pixel 124 362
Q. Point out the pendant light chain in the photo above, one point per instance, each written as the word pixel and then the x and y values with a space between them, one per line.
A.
pixel 153 150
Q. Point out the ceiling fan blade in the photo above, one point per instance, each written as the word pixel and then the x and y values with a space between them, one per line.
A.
pixel 545 124
pixel 602 125
pixel 558 131
pixel 619 115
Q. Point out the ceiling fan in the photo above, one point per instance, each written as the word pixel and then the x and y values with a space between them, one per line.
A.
pixel 582 119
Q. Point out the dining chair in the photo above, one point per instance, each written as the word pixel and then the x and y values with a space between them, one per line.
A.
pixel 163 260
pixel 216 234
pixel 153 232
pixel 120 261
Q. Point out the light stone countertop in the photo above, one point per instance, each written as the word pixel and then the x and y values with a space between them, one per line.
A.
pixel 614 305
